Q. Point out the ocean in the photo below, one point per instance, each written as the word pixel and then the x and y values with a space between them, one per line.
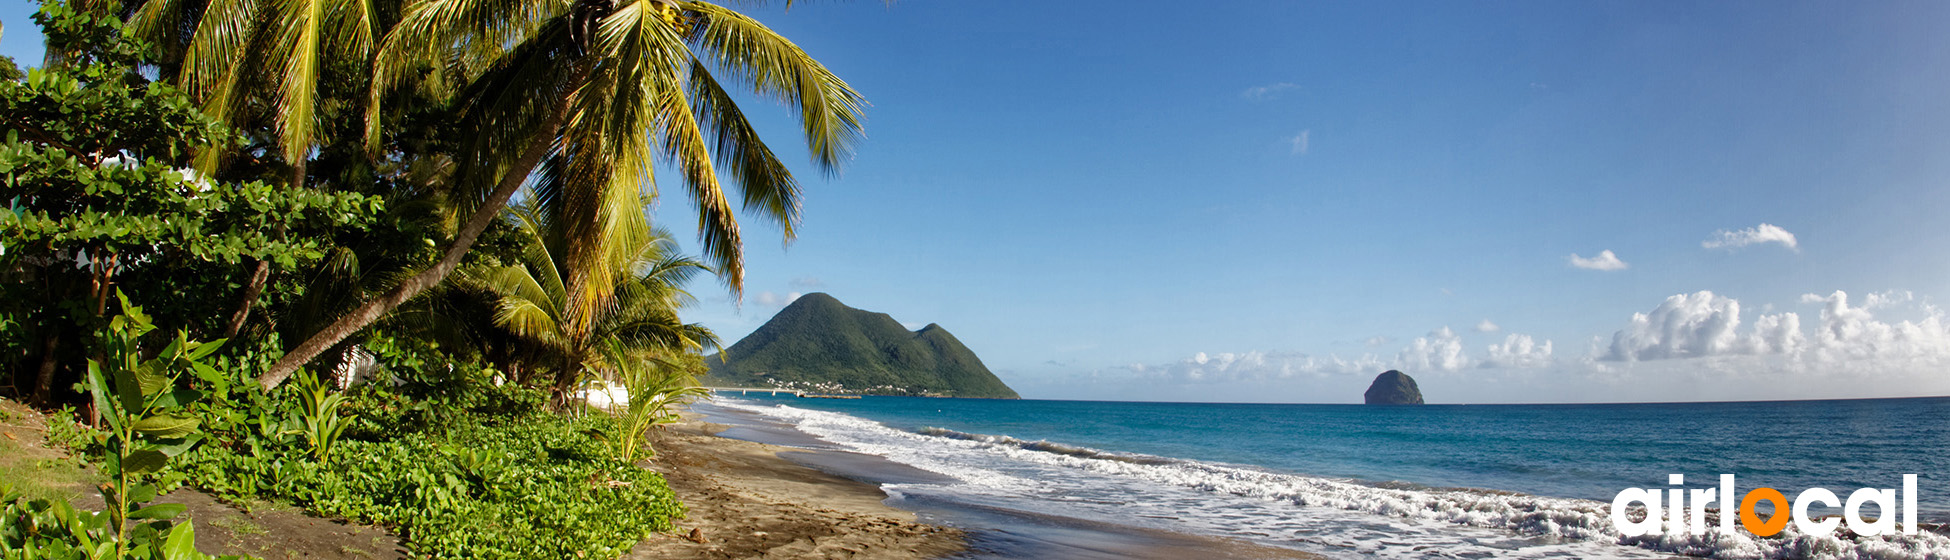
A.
pixel 1436 481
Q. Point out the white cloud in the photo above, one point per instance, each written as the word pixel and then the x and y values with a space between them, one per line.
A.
pixel 1764 233
pixel 1704 325
pixel 1487 327
pixel 1257 366
pixel 770 299
pixel 1519 351
pixel 1378 340
pixel 1269 91
pixel 1440 350
pixel 1853 333
pixel 1301 142
pixel 1604 261
pixel 1684 326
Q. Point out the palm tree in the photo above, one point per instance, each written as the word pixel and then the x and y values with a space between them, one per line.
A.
pixel 637 321
pixel 603 89
pixel 236 53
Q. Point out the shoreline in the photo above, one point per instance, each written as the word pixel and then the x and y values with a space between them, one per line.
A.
pixel 745 501
pixel 728 457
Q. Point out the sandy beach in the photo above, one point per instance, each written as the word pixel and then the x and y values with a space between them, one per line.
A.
pixel 746 502
pixel 748 499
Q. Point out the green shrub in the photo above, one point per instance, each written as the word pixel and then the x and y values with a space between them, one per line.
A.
pixel 55 530
pixel 541 487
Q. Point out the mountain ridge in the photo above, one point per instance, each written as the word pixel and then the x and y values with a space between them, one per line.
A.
pixel 819 344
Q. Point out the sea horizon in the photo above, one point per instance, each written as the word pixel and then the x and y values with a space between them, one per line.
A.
pixel 1508 480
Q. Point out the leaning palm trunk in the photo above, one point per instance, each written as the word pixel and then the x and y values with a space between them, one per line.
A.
pixel 642 91
pixel 484 215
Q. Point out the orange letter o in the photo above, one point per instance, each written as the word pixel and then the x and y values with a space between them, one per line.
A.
pixel 1751 520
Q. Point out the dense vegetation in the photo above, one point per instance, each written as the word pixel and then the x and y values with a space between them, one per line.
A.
pixel 820 344
pixel 202 200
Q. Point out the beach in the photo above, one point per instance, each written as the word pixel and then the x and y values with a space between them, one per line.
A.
pixel 745 501
pixel 749 499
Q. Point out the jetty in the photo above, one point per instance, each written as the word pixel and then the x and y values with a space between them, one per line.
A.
pixel 745 390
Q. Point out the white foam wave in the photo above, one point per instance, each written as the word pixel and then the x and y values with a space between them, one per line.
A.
pixel 1320 514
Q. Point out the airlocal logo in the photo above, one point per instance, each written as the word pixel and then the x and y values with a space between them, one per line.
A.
pixel 1693 502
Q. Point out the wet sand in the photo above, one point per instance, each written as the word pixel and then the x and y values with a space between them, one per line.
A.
pixel 745 501
pixel 774 492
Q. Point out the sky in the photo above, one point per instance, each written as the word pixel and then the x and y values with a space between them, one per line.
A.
pixel 1276 201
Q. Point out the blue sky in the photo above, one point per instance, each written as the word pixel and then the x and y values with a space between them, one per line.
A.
pixel 1274 201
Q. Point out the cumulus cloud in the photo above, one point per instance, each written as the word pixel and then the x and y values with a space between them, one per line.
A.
pixel 1853 333
pixel 1301 142
pixel 1685 325
pixel 1487 327
pixel 1764 233
pixel 1269 91
pixel 770 299
pixel 1518 351
pixel 1440 350
pixel 1604 261
pixel 1704 325
pixel 1257 366
pixel 1378 340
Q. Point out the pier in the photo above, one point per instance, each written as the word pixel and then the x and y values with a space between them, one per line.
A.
pixel 744 390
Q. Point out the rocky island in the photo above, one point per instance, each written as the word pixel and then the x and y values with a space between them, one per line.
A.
pixel 1393 387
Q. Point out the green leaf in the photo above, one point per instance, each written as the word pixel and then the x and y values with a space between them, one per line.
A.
pixel 144 460
pixel 166 426
pixel 175 448
pixel 181 544
pixel 142 493
pixel 203 350
pixel 97 388
pixel 158 511
pixel 128 391
pixel 179 398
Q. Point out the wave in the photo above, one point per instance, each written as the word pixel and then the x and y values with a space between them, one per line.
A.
pixel 1263 504
pixel 1048 447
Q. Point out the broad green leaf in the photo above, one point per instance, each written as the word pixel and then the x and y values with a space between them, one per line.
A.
pixel 142 493
pixel 203 350
pixel 181 544
pixel 179 398
pixel 128 391
pixel 98 389
pixel 166 426
pixel 158 511
pixel 175 448
pixel 145 460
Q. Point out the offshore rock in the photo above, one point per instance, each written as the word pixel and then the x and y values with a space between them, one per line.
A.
pixel 1393 387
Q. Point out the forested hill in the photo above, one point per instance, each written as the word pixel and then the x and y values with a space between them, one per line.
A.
pixel 820 344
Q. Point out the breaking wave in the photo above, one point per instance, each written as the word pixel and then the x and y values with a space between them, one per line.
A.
pixel 1327 515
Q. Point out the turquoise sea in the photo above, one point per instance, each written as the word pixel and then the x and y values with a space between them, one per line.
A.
pixel 1412 482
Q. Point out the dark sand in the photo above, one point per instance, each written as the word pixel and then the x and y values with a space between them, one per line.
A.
pixel 854 481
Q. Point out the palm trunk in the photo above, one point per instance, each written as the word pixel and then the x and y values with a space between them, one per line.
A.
pixel 251 291
pixel 44 380
pixel 490 209
pixel 262 272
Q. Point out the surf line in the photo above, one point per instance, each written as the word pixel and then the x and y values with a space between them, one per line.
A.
pixel 1676 503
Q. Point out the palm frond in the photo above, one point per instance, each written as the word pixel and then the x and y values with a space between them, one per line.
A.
pixel 767 185
pixel 829 109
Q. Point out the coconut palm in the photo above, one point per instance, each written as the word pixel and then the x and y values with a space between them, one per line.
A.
pixel 655 386
pixel 233 55
pixel 603 89
pixel 637 321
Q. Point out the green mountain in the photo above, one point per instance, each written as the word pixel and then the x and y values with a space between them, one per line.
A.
pixel 821 345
